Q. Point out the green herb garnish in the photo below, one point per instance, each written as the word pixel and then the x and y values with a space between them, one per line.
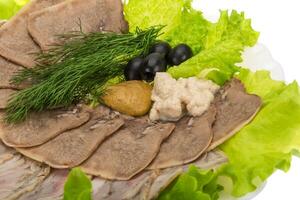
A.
pixel 82 64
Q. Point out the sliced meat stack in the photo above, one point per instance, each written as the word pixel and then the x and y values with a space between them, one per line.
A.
pixel 41 127
pixel 128 151
pixel 72 147
pixel 119 148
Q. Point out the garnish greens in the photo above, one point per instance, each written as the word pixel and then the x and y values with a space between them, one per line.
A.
pixel 78 186
pixel 81 65
pixel 224 42
pixel 195 184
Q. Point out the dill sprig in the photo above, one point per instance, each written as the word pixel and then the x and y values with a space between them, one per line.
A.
pixel 66 73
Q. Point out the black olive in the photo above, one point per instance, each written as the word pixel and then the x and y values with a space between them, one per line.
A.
pixel 148 74
pixel 161 47
pixel 179 54
pixel 153 63
pixel 132 70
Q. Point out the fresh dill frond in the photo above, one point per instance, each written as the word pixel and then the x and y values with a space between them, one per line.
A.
pixel 67 73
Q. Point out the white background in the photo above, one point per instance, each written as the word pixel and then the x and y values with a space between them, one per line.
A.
pixel 278 21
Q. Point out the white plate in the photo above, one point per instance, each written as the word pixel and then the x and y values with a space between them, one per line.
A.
pixel 259 57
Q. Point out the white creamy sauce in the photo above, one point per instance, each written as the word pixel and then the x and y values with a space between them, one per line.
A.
pixel 172 98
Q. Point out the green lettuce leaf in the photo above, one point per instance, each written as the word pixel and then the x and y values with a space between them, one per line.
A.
pixel 191 29
pixel 234 27
pixel 223 45
pixel 143 14
pixel 182 23
pixel 78 186
pixel 268 142
pixel 195 184
pixel 9 8
pixel 222 58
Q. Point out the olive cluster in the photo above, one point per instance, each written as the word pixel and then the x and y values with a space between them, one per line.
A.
pixel 160 57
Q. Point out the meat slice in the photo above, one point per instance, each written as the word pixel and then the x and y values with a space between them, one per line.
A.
pixel 15 43
pixel 52 188
pixel 149 184
pixel 41 127
pixel 91 15
pixel 7 71
pixel 191 137
pixel 129 151
pixel 235 109
pixel 5 95
pixel 72 147
pixel 19 175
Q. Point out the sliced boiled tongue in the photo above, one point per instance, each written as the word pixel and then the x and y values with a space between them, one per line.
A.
pixel 72 147
pixel 41 127
pixel 128 151
pixel 72 15
pixel 235 108
pixel 191 137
